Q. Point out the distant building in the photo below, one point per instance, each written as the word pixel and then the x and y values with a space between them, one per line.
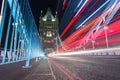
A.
pixel 48 25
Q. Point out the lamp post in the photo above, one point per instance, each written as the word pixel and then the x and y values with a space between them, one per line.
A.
pixel 106 37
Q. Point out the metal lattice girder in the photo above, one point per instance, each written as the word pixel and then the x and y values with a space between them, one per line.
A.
pixel 24 33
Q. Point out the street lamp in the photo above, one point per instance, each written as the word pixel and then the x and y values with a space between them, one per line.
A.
pixel 106 37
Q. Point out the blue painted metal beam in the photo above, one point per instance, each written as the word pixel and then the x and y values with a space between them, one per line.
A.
pixel 21 22
pixel 3 19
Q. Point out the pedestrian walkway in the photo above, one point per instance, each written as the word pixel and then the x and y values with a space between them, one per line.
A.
pixel 42 72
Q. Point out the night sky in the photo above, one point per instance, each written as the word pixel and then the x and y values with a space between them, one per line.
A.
pixel 38 5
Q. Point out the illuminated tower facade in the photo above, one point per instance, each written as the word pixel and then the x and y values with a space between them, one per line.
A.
pixel 48 25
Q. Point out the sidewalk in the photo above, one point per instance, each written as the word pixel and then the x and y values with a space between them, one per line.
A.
pixel 42 72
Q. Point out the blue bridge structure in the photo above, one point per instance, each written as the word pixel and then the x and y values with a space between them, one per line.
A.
pixel 19 38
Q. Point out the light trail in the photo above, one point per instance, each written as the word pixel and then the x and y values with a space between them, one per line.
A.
pixel 3 1
pixel 83 52
pixel 64 4
pixel 78 5
pixel 74 18
pixel 93 5
pixel 77 33
pixel 80 31
pixel 92 14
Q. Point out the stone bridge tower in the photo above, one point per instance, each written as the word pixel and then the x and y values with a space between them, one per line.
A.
pixel 48 25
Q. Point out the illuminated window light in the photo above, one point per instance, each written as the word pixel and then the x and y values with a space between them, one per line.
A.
pixel 53 19
pixel 44 19
pixel 49 34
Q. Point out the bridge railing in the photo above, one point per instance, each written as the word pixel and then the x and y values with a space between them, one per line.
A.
pixel 19 38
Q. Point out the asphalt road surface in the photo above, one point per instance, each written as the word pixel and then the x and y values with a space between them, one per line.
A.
pixel 86 68
pixel 64 68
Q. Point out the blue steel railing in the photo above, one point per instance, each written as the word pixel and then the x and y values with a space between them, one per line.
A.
pixel 21 33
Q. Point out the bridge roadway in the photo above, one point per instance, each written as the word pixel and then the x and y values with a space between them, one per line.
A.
pixel 65 68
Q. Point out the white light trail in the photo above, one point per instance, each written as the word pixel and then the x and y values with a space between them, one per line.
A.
pixel 81 7
pixel 84 52
pixel 93 14
pixel 78 5
pixel 1 11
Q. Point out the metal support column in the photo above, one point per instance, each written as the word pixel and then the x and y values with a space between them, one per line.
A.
pixel 6 40
pixel 27 65
pixel 3 18
pixel 93 42
pixel 21 47
pixel 7 37
pixel 11 44
pixel 17 53
pixel 15 41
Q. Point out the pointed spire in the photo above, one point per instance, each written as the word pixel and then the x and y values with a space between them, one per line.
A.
pixel 49 15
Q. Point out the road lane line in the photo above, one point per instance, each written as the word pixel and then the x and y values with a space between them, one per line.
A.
pixel 51 69
pixel 74 75
pixel 42 74
pixel 73 59
pixel 68 71
pixel 63 71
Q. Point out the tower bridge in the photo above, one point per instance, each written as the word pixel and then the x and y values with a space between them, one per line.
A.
pixel 79 40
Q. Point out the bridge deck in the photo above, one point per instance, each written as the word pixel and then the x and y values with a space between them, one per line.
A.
pixel 65 68
pixel 42 72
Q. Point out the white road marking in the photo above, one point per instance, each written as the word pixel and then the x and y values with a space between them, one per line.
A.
pixel 51 69
pixel 73 59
